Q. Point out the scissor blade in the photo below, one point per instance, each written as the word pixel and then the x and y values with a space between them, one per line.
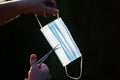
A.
pixel 47 54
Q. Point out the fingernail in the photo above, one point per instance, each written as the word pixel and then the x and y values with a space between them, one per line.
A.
pixel 33 56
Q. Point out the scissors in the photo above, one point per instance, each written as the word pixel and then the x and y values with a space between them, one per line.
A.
pixel 41 60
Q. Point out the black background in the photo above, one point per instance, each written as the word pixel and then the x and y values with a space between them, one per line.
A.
pixel 94 25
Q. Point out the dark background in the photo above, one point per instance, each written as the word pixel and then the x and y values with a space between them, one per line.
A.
pixel 94 25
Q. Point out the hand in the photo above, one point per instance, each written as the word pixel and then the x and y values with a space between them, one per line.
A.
pixel 38 71
pixel 41 7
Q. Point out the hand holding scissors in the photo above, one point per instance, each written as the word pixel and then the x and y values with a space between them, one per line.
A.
pixel 39 70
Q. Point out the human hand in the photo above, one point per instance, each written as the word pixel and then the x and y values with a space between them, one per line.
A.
pixel 38 71
pixel 41 7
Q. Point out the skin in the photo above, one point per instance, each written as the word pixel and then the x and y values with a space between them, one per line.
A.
pixel 12 9
pixel 38 71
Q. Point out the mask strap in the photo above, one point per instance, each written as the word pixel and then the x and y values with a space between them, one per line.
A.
pixel 58 16
pixel 66 71
pixel 40 22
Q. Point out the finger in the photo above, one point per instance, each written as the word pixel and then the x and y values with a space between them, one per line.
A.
pixel 26 79
pixel 33 58
pixel 47 11
pixel 51 11
pixel 43 67
pixel 51 3
pixel 46 14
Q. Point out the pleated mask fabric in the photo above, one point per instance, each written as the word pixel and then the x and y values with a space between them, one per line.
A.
pixel 57 33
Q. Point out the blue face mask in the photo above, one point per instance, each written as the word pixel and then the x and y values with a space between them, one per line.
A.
pixel 57 33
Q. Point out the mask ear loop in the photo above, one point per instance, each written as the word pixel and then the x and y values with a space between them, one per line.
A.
pixel 66 71
pixel 40 22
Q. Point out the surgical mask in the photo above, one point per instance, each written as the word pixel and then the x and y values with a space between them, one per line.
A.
pixel 57 33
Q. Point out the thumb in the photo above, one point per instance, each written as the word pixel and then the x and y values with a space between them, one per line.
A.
pixel 33 58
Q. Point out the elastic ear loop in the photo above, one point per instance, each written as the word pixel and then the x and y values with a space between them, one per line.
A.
pixel 39 20
pixel 66 66
pixel 66 71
